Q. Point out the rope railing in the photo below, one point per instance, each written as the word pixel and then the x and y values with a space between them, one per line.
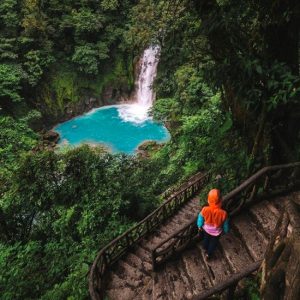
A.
pixel 108 255
pixel 268 182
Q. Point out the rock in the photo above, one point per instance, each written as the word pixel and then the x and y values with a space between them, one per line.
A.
pixel 145 148
pixel 69 111
pixel 51 136
pixel 107 94
pixel 148 145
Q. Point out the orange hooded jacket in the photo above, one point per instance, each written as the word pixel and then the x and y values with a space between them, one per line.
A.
pixel 213 214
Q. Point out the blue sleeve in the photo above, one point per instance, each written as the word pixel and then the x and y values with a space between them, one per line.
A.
pixel 226 226
pixel 200 221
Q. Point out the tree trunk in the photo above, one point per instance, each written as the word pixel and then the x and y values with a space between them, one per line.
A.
pixel 281 267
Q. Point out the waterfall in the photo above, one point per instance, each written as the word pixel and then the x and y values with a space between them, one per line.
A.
pixel 144 95
pixel 148 69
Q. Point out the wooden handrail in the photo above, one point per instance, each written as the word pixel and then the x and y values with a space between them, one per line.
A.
pixel 119 246
pixel 170 192
pixel 258 174
pixel 268 181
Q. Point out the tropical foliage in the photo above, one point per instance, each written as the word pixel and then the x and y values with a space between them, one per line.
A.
pixel 227 89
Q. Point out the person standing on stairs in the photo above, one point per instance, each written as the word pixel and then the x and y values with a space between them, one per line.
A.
pixel 212 221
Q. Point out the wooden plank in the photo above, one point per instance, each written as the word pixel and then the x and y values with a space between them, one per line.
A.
pixel 194 266
pixel 265 218
pixel 235 252
pixel 254 240
pixel 217 267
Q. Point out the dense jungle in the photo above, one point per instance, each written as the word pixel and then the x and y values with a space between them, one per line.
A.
pixel 227 88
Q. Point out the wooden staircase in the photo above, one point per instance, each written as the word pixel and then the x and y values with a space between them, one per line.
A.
pixel 162 257
pixel 133 272
pixel 191 274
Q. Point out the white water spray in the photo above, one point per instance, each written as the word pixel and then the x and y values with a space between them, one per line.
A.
pixel 144 94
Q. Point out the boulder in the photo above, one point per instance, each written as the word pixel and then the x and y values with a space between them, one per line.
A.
pixel 147 145
pixel 51 136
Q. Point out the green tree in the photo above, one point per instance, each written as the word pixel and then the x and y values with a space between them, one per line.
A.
pixel 9 16
pixel 87 57
pixel 10 83
pixel 35 64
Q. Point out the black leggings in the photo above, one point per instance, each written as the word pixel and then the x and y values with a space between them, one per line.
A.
pixel 210 242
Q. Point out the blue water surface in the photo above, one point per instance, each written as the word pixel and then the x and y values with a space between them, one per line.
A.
pixel 105 126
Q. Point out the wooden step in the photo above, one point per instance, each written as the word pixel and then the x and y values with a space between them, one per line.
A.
pixel 161 286
pixel 142 265
pixel 142 253
pixel 167 230
pixel 234 251
pixel 152 243
pixel 264 217
pixel 254 240
pixel 163 234
pixel 192 206
pixel 273 208
pixel 279 202
pixel 169 284
pixel 172 227
pixel 178 222
pixel 216 267
pixel 114 294
pixel 194 266
pixel 147 292
pixel 117 284
pixel 127 275
pixel 186 215
pixel 186 279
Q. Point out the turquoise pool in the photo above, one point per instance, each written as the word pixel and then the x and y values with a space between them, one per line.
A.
pixel 121 128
